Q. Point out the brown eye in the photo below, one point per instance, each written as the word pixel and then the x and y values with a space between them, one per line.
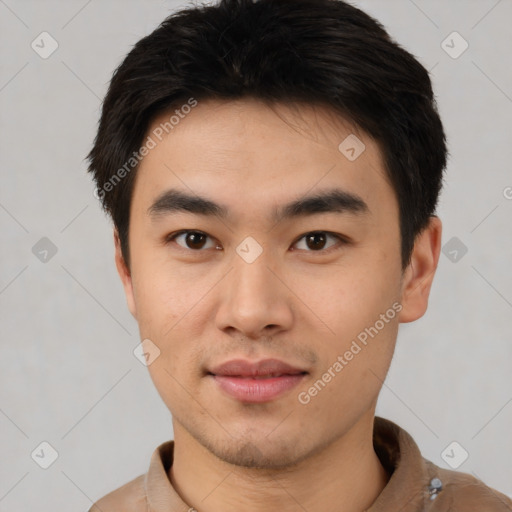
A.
pixel 316 241
pixel 195 240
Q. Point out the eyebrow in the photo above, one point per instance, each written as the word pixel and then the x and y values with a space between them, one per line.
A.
pixel 332 200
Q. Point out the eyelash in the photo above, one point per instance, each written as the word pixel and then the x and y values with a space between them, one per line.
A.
pixel 342 240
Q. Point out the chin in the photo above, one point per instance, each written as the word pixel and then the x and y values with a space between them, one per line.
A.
pixel 258 446
pixel 258 455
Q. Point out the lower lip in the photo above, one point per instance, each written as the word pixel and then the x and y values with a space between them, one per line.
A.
pixel 257 390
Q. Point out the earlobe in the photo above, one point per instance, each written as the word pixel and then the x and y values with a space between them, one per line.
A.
pixel 419 275
pixel 124 274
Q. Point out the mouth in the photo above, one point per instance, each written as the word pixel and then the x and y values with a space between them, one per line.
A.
pixel 258 382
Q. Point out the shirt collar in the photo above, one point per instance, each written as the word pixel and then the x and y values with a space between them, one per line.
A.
pixel 396 449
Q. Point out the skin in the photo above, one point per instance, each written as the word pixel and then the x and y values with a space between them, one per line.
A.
pixel 295 302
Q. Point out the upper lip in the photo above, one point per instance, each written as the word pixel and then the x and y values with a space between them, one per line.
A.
pixel 243 368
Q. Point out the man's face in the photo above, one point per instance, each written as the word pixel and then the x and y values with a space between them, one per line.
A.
pixel 282 293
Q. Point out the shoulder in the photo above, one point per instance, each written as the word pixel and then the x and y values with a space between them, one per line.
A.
pixel 130 497
pixel 462 491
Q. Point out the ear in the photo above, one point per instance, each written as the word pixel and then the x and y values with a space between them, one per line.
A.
pixel 124 274
pixel 418 276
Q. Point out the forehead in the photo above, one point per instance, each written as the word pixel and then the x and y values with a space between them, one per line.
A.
pixel 251 117
pixel 246 151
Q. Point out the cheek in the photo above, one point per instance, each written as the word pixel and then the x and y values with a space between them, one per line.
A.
pixel 162 297
pixel 345 299
pixel 350 378
pixel 170 310
pixel 356 308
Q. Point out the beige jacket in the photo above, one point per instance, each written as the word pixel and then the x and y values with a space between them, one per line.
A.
pixel 416 484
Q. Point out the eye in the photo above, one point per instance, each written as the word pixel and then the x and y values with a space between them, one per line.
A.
pixel 316 241
pixel 191 239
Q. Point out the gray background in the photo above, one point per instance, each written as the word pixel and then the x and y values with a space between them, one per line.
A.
pixel 68 373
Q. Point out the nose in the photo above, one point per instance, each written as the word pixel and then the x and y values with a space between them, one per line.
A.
pixel 255 300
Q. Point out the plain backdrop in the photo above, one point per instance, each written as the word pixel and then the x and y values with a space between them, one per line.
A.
pixel 68 373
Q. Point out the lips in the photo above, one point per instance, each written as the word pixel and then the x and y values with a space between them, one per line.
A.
pixel 256 382
pixel 262 369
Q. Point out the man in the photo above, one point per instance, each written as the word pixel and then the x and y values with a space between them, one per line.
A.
pixel 272 170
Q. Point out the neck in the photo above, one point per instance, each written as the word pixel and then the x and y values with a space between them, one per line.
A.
pixel 347 472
